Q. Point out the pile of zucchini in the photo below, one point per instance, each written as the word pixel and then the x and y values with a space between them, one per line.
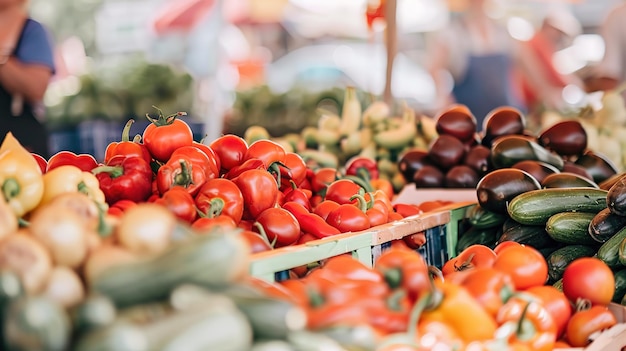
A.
pixel 563 222
pixel 194 296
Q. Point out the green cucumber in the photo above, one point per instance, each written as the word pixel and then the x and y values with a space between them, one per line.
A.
pixel 473 236
pixel 571 228
pixel 536 206
pixel 567 180
pixel 212 259
pixel 561 258
pixel 609 251
pixel 620 285
pixel 605 224
pixel 481 218
pixel 531 235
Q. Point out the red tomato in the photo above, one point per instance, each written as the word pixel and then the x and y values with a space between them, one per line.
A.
pixel 127 147
pixel 589 278
pixel 208 224
pixel 324 208
pixel 474 256
pixel 259 190
pixel 501 246
pixel 230 150
pixel 267 151
pixel 556 303
pixel 524 264
pixel 166 134
pixel 295 169
pixel 415 241
pixel 179 202
pixel 256 241
pixel 41 162
pixel 220 196
pixel 584 323
pixel 322 177
pixel 210 154
pixel 197 158
pixel 279 225
pixel 342 190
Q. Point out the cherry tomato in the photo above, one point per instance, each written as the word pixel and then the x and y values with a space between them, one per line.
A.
pixel 589 278
pixel 556 303
pixel 230 150
pixel 179 202
pixel 267 151
pixel 166 134
pixel 259 190
pixel 280 226
pixel 524 264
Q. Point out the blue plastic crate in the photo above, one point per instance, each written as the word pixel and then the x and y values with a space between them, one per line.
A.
pixel 95 135
pixel 63 139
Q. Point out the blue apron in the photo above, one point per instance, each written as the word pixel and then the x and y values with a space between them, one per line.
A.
pixel 486 85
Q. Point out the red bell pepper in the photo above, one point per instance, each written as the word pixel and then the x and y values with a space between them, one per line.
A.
pixel 310 222
pixel 127 147
pixel 180 172
pixel 118 208
pixel 41 161
pixel 85 162
pixel 363 167
pixel 125 178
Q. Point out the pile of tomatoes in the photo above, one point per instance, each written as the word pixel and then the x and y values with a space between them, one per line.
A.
pixel 276 197
pixel 483 299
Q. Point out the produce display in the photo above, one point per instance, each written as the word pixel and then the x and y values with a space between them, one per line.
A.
pixel 151 249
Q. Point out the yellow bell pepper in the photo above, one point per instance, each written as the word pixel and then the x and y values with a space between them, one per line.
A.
pixel 68 178
pixel 20 177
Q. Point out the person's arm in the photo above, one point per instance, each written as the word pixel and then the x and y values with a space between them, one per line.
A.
pixel 606 75
pixel 27 80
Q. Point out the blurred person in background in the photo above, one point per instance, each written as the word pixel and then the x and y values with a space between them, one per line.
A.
pixel 477 52
pixel 611 70
pixel 541 83
pixel 26 66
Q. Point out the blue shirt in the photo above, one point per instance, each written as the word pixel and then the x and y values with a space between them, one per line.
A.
pixel 35 45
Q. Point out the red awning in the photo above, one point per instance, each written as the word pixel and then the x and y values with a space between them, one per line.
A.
pixel 181 15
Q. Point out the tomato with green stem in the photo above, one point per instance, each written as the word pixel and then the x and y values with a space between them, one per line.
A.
pixel 220 196
pixel 268 151
pixel 321 178
pixel 279 225
pixel 165 134
pixel 127 147
pixel 293 168
pixel 198 158
pixel 180 172
pixel 350 218
pixel 404 269
pixel 556 303
pixel 342 190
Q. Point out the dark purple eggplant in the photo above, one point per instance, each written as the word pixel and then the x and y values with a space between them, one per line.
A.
pixel 458 122
pixel 498 187
pixel 605 224
pixel 566 138
pixel 461 176
pixel 598 166
pixel 616 197
pixel 510 149
pixel 412 161
pixel 501 121
pixel 567 180
pixel 539 170
pixel 608 183
pixel 479 158
pixel 446 152
pixel 429 177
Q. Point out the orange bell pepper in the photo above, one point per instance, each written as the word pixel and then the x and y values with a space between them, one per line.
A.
pixel 527 323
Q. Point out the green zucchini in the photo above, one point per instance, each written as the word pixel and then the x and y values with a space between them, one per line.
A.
pixel 485 236
pixel 605 224
pixel 571 228
pixel 536 206
pixel 212 259
pixel 531 235
pixel 621 252
pixel 36 323
pixel 481 218
pixel 620 285
pixel 567 180
pixel 558 285
pixel 561 258
pixel 218 325
pixel 609 251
